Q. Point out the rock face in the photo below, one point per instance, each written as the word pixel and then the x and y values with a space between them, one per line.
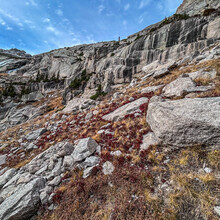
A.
pixel 22 204
pixel 125 110
pixel 109 63
pixel 23 190
pixel 16 116
pixel 12 59
pixel 186 122
pixel 193 7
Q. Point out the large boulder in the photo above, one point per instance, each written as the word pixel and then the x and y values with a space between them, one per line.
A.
pixel 186 122
pixel 84 148
pixel 32 97
pixel 129 108
pixel 178 87
pixel 35 134
pixel 23 203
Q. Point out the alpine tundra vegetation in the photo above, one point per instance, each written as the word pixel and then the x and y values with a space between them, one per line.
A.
pixel 126 129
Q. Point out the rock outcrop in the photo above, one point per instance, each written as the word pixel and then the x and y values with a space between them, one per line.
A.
pixel 186 122
pixel 193 7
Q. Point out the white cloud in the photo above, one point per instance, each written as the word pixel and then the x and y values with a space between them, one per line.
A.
pixel 169 7
pixel 59 12
pixel 2 22
pixel 144 3
pixel 124 22
pixel 101 8
pixel 28 21
pixel 46 20
pixel 9 28
pixel 140 19
pixel 31 2
pixel 127 6
pixel 53 30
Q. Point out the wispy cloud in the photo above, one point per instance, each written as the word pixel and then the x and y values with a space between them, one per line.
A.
pixel 53 30
pixel 127 6
pixel 31 2
pixel 144 3
pixel 168 7
pixel 46 20
pixel 124 22
pixel 59 12
pixel 3 23
pixel 101 8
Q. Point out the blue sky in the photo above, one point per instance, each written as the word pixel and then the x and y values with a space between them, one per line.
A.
pixel 38 26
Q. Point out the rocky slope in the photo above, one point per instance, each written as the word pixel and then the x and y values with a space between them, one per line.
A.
pixel 116 130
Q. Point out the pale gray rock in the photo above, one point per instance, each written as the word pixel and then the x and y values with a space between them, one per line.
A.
pixel 32 97
pixel 6 176
pixel 107 87
pixel 108 168
pixel 57 169
pixel 87 172
pixel 68 161
pixel 23 203
pixel 161 73
pixel 3 159
pixel 148 140
pixel 84 148
pixel 202 74
pixel 151 89
pixel 31 147
pixel 186 122
pixel 193 7
pixel 217 210
pixel 35 134
pixel 44 197
pixel 55 182
pixel 78 103
pixel 199 89
pixel 116 153
pixel 91 161
pixel 89 116
pixel 178 87
pixel 125 109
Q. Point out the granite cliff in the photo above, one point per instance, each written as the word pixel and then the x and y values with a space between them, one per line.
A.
pixel 115 130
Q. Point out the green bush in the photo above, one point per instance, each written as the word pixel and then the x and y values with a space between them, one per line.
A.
pixel 76 83
pixel 98 93
pixel 25 91
pixel 9 91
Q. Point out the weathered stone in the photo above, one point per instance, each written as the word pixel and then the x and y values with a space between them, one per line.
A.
pixel 6 176
pixel 55 182
pixel 35 134
pixel 68 161
pixel 186 122
pixel 23 203
pixel 125 109
pixel 57 169
pixel 148 140
pixel 151 89
pixel 91 161
pixel 178 87
pixel 85 148
pixel 202 74
pixel 108 168
pixel 31 146
pixel 87 172
pixel 32 97
pixel 217 210
pixel 107 88
pixel 3 159
pixel 161 73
